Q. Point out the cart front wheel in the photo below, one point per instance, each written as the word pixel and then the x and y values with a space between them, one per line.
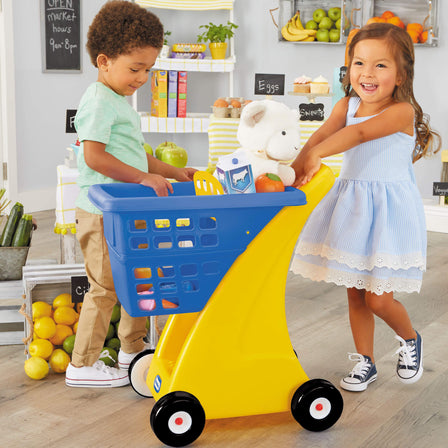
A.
pixel 138 371
pixel 317 405
pixel 177 419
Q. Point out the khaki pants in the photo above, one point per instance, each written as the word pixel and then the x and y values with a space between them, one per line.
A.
pixel 99 301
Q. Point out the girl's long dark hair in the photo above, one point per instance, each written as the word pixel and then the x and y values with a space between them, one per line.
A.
pixel 427 141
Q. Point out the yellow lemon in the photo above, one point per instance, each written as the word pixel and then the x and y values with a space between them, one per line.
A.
pixel 45 327
pixel 64 299
pixel 75 327
pixel 59 361
pixel 42 348
pixel 62 331
pixel 65 315
pixel 36 368
pixel 41 309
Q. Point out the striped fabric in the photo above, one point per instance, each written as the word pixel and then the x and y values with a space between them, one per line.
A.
pixel 187 4
pixel 222 141
pixel 221 138
pixel 174 124
pixel 67 191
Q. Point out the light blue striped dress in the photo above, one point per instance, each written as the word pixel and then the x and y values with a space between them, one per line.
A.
pixel 369 231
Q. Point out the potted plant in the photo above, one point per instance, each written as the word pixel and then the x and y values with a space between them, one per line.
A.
pixel 217 36
pixel 165 53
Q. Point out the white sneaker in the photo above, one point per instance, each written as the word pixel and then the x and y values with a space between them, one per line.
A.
pixel 98 375
pixel 125 359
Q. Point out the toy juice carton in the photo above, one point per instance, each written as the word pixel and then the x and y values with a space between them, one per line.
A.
pixel 235 174
pixel 172 93
pixel 159 91
pixel 182 94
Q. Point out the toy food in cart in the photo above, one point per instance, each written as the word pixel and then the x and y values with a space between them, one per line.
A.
pixel 235 174
pixel 268 183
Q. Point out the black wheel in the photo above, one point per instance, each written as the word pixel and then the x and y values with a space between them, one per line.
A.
pixel 317 405
pixel 177 419
pixel 138 371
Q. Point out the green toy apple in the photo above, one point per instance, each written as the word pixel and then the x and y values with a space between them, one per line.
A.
pixel 337 24
pixel 311 25
pixel 162 147
pixel 318 15
pixel 326 23
pixel 323 35
pixel 334 13
pixel 334 35
pixel 175 156
pixel 148 148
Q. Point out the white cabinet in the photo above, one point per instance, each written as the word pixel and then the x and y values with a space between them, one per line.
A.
pixel 194 122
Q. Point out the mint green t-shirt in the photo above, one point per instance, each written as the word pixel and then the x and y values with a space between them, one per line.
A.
pixel 106 117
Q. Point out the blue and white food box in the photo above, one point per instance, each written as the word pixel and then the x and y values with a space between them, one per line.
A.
pixel 235 174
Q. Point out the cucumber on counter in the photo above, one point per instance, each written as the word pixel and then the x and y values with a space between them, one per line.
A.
pixel 11 225
pixel 22 234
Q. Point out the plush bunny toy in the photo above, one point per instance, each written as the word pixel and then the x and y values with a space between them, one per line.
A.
pixel 269 136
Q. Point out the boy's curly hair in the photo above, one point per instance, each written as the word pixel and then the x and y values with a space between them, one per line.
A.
pixel 120 27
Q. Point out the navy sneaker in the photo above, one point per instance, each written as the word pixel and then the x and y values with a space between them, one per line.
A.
pixel 362 374
pixel 410 359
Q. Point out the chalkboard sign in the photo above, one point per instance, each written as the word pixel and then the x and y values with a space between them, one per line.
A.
pixel 311 112
pixel 61 36
pixel 70 121
pixel 440 189
pixel 79 286
pixel 266 84
pixel 342 73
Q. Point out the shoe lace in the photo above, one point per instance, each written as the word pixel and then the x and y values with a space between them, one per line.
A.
pixel 407 353
pixel 362 367
pixel 101 366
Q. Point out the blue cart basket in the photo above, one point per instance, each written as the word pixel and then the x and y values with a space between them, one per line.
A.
pixel 169 254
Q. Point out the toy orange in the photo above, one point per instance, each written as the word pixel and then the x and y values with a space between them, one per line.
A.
pixel 387 15
pixel 423 37
pixel 373 20
pixel 395 20
pixel 417 27
pixel 414 35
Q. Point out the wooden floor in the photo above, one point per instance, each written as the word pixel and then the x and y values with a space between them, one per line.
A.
pixel 37 414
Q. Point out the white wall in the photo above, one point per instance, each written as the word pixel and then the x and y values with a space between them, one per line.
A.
pixel 42 98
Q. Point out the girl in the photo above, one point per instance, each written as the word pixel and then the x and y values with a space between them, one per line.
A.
pixel 369 233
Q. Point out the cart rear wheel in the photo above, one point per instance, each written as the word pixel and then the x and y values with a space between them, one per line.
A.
pixel 138 371
pixel 177 419
pixel 317 405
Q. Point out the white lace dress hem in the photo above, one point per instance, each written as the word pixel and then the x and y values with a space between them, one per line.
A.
pixel 355 280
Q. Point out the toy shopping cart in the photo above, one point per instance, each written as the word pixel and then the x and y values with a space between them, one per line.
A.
pixel 218 266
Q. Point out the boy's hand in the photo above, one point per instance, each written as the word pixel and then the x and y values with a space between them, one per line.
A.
pixel 185 174
pixel 158 183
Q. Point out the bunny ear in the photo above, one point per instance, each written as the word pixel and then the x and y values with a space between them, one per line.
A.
pixel 253 113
